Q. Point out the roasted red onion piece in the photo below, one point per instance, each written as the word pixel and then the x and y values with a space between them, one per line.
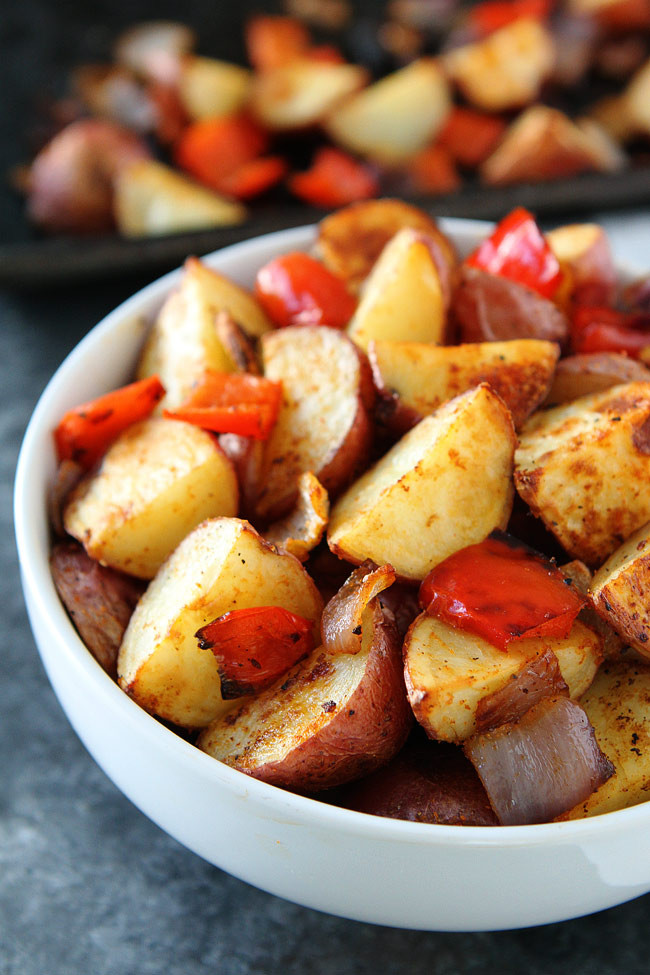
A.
pixel 100 600
pixel 539 767
pixel 68 475
pixel 403 603
pixel 341 620
pixel 539 679
pixel 154 49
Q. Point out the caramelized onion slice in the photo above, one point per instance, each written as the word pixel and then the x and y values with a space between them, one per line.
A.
pixel 539 767
pixel 540 678
pixel 302 529
pixel 341 620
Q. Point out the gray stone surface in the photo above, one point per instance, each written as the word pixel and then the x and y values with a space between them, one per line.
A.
pixel 88 886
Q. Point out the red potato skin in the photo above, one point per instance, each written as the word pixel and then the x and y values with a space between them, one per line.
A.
pixel 71 179
pixel 489 308
pixel 427 782
pixel 362 736
pixel 100 600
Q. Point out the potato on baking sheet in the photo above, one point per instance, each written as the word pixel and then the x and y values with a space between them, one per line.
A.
pixel 208 88
pixel 222 565
pixel 303 528
pixel 351 240
pixel 332 718
pixel 300 93
pixel 445 485
pixel 459 684
pixel 422 376
pixel 583 468
pixel 426 782
pixel 157 481
pixel 152 199
pixel 545 144
pixel 392 119
pixel 323 424
pixel 506 69
pixel 620 591
pixel 618 706
pixel 186 339
pixel 490 308
pixel 404 296
pixel 593 372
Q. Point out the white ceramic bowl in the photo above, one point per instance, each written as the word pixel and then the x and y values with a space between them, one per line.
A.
pixel 410 875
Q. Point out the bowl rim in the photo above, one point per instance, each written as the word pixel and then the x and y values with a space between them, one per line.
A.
pixel 29 511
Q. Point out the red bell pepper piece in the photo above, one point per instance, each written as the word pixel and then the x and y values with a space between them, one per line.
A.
pixel 470 136
pixel 492 15
pixel 232 403
pixel 335 179
pixel 253 647
pixel 517 250
pixel 87 431
pixel 211 149
pixel 503 591
pixel 296 289
pixel 254 177
pixel 603 329
pixel 432 170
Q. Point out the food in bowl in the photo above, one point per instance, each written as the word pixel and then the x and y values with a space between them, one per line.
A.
pixel 423 644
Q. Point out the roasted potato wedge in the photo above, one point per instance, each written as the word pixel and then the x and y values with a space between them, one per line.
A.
pixel 209 88
pixel 351 240
pixel 303 528
pixel 450 673
pixel 490 308
pixel 329 720
pixel 186 338
pixel 580 577
pixel 583 468
pixel 620 591
pixel 593 372
pixel 506 69
pixel 301 93
pixel 157 481
pixel 427 782
pixel 422 501
pixel 404 295
pixel 395 117
pixel 222 565
pixel 584 249
pixel 323 424
pixel 618 706
pixel 422 376
pixel 152 199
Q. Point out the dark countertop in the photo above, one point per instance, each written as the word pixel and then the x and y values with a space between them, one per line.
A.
pixel 88 886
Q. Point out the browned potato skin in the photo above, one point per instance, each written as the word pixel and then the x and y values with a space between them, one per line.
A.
pixel 580 577
pixel 620 591
pixel 580 375
pixel 361 736
pixel 350 240
pixel 427 782
pixel 488 308
pixel 521 378
pixel 100 600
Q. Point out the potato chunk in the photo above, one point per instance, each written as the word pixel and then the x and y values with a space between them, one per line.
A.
pixel 208 88
pixel 583 468
pixel 506 69
pixel 157 481
pixel 395 117
pixel 620 591
pixel 351 240
pixel 221 566
pixel 331 719
pixel 184 340
pixel 618 706
pixel 445 485
pixel 323 424
pixel 300 93
pixel 423 376
pixel 450 671
pixel 403 297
